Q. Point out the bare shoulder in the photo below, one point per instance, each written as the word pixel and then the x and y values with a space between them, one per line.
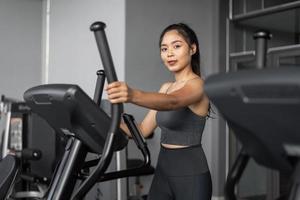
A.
pixel 200 107
pixel 196 83
pixel 164 87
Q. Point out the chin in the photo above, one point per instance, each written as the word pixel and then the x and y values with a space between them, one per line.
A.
pixel 175 69
pixel 172 68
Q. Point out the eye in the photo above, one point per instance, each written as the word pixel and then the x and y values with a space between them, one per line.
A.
pixel 163 49
pixel 176 46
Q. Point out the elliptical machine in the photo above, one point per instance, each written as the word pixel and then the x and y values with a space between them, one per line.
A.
pixel 262 107
pixel 87 128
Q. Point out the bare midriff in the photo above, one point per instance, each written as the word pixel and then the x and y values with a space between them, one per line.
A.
pixel 173 146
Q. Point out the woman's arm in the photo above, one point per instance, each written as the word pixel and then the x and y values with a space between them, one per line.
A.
pixel 148 125
pixel 191 93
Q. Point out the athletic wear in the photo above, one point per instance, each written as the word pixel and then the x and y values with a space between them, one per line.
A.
pixel 180 175
pixel 180 127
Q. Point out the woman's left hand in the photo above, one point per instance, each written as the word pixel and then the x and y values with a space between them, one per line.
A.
pixel 119 92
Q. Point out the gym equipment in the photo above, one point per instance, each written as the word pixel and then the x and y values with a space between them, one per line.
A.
pixel 13 116
pixel 137 185
pixel 71 113
pixel 262 108
pixel 18 135
pixel 261 46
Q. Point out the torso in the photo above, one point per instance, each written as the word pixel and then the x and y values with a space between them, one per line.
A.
pixel 199 108
pixel 180 128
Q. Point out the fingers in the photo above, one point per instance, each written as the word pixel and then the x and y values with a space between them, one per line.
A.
pixel 116 88
pixel 114 85
pixel 118 92
pixel 119 97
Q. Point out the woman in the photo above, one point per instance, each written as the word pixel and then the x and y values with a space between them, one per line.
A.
pixel 180 109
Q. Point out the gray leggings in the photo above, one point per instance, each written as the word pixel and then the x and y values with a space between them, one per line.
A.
pixel 176 180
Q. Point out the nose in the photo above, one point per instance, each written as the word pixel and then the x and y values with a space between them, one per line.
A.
pixel 170 52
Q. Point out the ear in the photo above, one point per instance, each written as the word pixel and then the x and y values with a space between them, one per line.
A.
pixel 193 49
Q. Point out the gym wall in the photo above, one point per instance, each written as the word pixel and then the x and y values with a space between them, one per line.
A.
pixel 20 46
pixel 73 54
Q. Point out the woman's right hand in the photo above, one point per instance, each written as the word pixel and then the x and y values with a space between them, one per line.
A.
pixel 119 92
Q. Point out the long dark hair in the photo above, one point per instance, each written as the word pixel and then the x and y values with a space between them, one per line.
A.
pixel 191 38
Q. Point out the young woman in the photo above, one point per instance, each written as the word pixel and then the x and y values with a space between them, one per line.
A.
pixel 179 109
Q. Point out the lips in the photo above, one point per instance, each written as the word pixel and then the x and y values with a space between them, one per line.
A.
pixel 172 62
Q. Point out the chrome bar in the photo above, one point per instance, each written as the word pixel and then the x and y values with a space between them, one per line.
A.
pixel 284 48
pixel 241 54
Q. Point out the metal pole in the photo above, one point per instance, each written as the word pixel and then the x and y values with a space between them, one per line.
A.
pixel 261 38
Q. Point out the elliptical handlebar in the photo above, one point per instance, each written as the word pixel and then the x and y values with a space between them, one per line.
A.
pixel 103 47
pixel 104 51
pixel 116 110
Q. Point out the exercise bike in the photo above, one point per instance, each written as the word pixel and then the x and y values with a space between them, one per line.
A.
pixel 86 127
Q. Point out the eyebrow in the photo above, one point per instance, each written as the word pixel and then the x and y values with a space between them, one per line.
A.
pixel 175 41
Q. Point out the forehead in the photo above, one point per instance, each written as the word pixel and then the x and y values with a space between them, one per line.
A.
pixel 172 36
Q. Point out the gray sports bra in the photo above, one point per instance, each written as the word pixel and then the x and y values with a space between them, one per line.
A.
pixel 180 127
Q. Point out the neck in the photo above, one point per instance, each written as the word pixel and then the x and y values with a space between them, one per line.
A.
pixel 184 75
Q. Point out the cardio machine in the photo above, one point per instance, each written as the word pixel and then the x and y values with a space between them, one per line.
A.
pixel 19 131
pixel 262 107
pixel 86 127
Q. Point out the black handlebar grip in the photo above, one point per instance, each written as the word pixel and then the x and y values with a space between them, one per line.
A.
pixel 109 68
pixel 97 26
pixel 103 47
pixel 117 109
